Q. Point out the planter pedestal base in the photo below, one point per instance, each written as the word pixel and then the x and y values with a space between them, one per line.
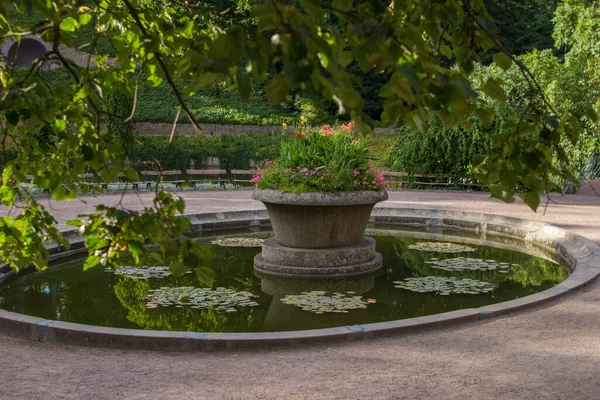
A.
pixel 338 262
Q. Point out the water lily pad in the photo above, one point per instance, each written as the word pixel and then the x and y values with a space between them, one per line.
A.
pixel 143 272
pixel 239 242
pixel 468 264
pixel 219 299
pixel 444 286
pixel 318 302
pixel 441 247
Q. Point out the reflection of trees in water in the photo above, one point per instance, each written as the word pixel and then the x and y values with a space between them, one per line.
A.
pixel 67 294
pixel 531 271
pixel 233 269
pixel 132 293
pixel 533 275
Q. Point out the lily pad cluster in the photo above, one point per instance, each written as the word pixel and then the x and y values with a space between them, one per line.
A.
pixel 219 299
pixel 319 302
pixel 445 286
pixel 441 247
pixel 239 242
pixel 469 264
pixel 143 272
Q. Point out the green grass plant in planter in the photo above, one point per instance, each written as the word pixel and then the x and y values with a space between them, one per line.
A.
pixel 322 161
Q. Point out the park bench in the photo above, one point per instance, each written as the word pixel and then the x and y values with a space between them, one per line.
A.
pixel 242 176
pixel 206 176
pixel 156 177
pixel 122 179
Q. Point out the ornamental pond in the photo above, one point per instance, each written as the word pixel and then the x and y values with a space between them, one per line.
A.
pixel 423 273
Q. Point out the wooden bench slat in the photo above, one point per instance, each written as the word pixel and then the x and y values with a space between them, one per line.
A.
pixel 206 172
pixel 164 173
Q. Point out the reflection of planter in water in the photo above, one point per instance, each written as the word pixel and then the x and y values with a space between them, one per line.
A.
pixel 318 234
pixel 286 317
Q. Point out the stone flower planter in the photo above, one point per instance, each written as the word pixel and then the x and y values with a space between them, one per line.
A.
pixel 319 220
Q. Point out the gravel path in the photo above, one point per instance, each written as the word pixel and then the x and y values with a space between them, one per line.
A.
pixel 549 352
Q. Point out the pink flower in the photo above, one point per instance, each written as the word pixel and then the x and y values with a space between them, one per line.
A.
pixel 326 130
pixel 348 127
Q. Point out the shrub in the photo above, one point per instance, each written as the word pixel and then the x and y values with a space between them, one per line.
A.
pixel 441 151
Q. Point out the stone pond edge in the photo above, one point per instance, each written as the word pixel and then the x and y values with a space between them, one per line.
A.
pixel 577 252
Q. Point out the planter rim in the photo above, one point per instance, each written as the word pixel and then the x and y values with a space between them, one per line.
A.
pixel 319 198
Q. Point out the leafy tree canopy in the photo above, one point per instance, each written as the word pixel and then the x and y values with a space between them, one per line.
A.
pixel 406 39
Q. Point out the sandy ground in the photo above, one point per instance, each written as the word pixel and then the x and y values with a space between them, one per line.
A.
pixel 592 188
pixel 549 352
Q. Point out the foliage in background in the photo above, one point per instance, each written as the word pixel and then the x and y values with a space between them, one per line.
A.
pixel 569 85
pixel 523 25
pixel 215 105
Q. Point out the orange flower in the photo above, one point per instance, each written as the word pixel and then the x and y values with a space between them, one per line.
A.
pixel 326 130
pixel 299 135
pixel 348 127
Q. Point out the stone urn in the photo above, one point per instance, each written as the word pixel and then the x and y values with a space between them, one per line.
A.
pixel 318 234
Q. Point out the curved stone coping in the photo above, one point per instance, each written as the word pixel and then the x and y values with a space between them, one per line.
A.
pixel 319 199
pixel 574 251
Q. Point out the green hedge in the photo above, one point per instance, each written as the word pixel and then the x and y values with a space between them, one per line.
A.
pixel 233 151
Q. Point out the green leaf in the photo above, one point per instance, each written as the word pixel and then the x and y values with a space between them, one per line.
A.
pixel 59 125
pixel 531 199
pixel 68 24
pixel 155 80
pixel 8 195
pixel 493 89
pixel 206 276
pixel 323 59
pixel 178 268
pixel 91 261
pixel 591 114
pixel 12 118
pixel 85 19
pixel 503 61
pixel 313 8
pixel 344 5
pixel 278 89
pixel 410 76
pixel 243 84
